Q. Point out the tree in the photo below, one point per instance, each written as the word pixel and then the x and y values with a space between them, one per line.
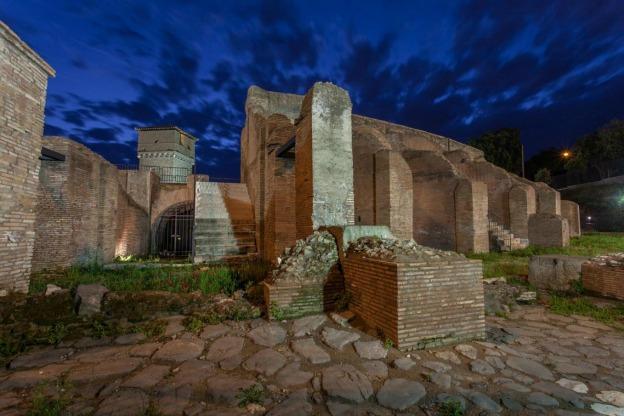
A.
pixel 543 175
pixel 501 147
pixel 600 150
pixel 550 159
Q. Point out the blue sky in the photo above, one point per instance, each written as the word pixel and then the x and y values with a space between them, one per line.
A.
pixel 555 69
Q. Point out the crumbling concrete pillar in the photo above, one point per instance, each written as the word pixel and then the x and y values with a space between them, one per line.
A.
pixel 548 200
pixel 471 223
pixel 548 230
pixel 570 211
pixel 324 160
pixel 522 204
pixel 394 203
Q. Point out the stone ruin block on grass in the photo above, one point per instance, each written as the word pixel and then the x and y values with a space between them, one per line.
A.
pixel 423 299
pixel 556 272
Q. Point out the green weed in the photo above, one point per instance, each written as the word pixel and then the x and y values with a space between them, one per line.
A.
pixel 57 333
pixel 276 312
pixel 580 306
pixel 183 279
pixel 388 343
pixel 43 405
pixel 193 324
pixel 451 408
pixel 151 329
pixel 516 263
pixel 252 394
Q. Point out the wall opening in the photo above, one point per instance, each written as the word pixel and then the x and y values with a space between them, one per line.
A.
pixel 174 231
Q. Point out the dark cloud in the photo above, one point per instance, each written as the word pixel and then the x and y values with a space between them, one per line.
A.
pixel 553 70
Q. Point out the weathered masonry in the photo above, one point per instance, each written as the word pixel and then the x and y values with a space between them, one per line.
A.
pixel 301 154
pixel 23 83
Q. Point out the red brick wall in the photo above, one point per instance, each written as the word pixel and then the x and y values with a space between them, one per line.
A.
pixel 418 305
pixel 394 197
pixel 548 230
pixel 84 213
pixel 522 204
pixel 471 223
pixel 603 280
pixel 23 82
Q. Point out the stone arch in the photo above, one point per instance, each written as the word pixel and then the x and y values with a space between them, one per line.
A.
pixel 172 231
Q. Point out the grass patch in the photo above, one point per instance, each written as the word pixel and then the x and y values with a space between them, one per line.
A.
pixel 43 405
pixel 451 408
pixel 185 279
pixel 563 305
pixel 252 394
pixel 516 263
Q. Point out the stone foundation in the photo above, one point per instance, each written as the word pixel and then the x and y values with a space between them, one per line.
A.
pixel 605 281
pixel 418 305
pixel 296 299
pixel 555 272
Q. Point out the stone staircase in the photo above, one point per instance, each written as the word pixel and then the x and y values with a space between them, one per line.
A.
pixel 502 239
pixel 224 222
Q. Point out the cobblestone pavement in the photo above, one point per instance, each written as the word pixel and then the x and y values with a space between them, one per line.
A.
pixel 534 362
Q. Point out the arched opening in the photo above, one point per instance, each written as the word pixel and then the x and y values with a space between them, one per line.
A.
pixel 173 235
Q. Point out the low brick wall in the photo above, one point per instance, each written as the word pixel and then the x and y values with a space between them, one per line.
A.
pixel 294 299
pixel 418 305
pixel 605 281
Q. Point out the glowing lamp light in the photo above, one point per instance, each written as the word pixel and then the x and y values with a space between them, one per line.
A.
pixel 566 154
pixel 589 218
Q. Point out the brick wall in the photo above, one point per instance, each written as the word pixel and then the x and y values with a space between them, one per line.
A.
pixel 522 204
pixel 603 280
pixel 280 228
pixel 23 82
pixel 548 230
pixel 295 299
pixel 394 196
pixel 418 305
pixel 84 213
pixel 471 222
pixel 434 183
pixel 570 211
pixel 548 200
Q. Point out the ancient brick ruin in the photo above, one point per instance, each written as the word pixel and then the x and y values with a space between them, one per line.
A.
pixel 311 171
pixel 24 77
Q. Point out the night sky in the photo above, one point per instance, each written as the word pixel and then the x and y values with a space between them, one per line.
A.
pixel 553 69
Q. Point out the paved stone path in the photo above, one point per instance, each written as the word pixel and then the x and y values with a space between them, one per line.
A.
pixel 534 362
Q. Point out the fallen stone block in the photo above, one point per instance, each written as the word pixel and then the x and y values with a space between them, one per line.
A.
pixel 555 272
pixel 88 299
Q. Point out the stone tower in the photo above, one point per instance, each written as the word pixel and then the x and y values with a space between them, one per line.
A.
pixel 168 150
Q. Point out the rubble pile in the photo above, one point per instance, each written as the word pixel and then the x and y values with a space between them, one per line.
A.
pixel 392 249
pixel 611 259
pixel 309 260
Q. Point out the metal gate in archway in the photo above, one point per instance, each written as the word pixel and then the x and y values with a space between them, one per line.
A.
pixel 174 232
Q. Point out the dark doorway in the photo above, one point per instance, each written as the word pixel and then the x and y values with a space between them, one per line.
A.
pixel 174 232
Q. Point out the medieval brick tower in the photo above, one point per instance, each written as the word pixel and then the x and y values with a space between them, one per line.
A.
pixel 167 150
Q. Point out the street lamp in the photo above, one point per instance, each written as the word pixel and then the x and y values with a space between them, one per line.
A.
pixel 566 154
